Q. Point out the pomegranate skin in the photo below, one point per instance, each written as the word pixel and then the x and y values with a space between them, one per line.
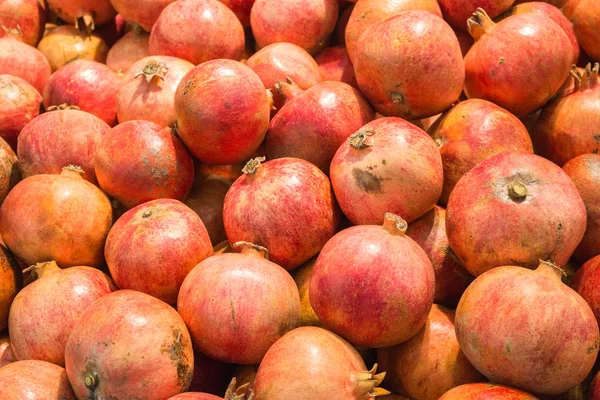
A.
pixel 6 354
pixel 271 203
pixel 519 63
pixel 24 61
pixel 527 329
pixel 528 210
pixel 132 47
pixel 145 14
pixel 33 379
pixel 594 393
pixel 486 391
pixel 472 131
pixel 139 161
pixel 390 72
pixel 241 8
pixel 71 11
pixel 11 281
pixel 129 344
pixel 312 125
pixel 89 85
pixel 457 12
pixel 206 30
pixel 19 104
pixel 585 16
pixel 59 138
pixel 28 16
pixel 586 282
pixel 235 111
pixel 335 65
pixel 45 311
pixel 302 278
pixel 368 172
pixel 307 24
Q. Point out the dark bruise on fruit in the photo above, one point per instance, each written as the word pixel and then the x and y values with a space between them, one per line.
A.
pixel 176 351
pixel 367 181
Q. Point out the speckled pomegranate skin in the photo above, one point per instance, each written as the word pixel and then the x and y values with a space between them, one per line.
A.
pixel 132 47
pixel 335 65
pixel 33 379
pixel 587 281
pixel 486 391
pixel 24 61
pixel 11 281
pixel 143 13
pixel 70 10
pixel 585 16
pixel 28 15
pixel 241 8
pixel 457 12
pixel 19 104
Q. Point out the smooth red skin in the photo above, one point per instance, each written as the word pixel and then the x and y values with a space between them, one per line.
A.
pixel 472 131
pixel 401 173
pixel 210 376
pixel 249 301
pixel 197 31
pixel 10 283
pixel 241 8
pixel 586 21
pixel 527 329
pixel 594 393
pixel 139 161
pixel 393 56
pixel 89 85
pixel 486 391
pixel 335 65
pixel 34 379
pixel 537 57
pixel 457 12
pixel 369 12
pixel 195 396
pixel 60 138
pixel 153 254
pixel 339 35
pixel 313 125
pixel 44 312
pixel 137 346
pixel 154 101
pixel 451 278
pixel 222 112
pixel 307 23
pixel 70 10
pixel 144 13
pixel 126 51
pixel 24 61
pixel 271 208
pixel 464 40
pixel 6 354
pixel 56 217
pixel 587 282
pixel 19 104
pixel 29 16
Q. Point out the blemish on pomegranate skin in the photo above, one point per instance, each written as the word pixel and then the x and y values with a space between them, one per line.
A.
pixel 367 182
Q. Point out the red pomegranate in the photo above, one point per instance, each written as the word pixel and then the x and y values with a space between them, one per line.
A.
pixel 144 13
pixel 335 65
pixel 35 379
pixel 339 34
pixel 585 17
pixel 237 305
pixel 66 43
pixel 314 123
pixel 210 376
pixel 37 205
pixel 464 40
pixel 6 354
pixel 594 393
pixel 206 30
pixel 11 281
pixel 311 357
pixel 348 276
pixel 302 275
pixel 129 344
pixel 457 12
pixel 271 204
pixel 60 138
pixel 472 131
pixel 307 24
pixel 19 103
pixel 486 391
pixel 241 8
pixel 389 165
pixel 88 13
pixel 390 71
pixel 235 111
pixel 45 311
pixel 519 63
pixel 26 16
pixel 527 209
pixel 527 329
pixel 24 61
pixel 586 282
pixel 129 49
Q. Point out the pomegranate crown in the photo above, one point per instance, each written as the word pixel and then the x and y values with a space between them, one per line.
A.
pixel 238 393
pixel 586 79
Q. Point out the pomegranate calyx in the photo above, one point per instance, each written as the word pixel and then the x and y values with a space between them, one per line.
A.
pixel 41 269
pixel 361 139
pixel 238 393
pixel 252 166
pixel 15 32
pixel 480 24
pixel 367 383
pixel 394 224
pixel 287 89
pixel 91 381
pixel 251 248
pixel 72 170
pixel 588 79
pixel 63 106
pixel 551 269
pixel 153 69
pixel 517 191
pixel 85 21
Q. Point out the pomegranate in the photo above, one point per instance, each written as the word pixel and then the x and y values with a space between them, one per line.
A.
pixel 9 169
pixel 45 311
pixel 390 72
pixel 271 204
pixel 457 12
pixel 339 34
pixel 302 275
pixel 585 16
pixel 307 24
pixel 519 63
pixel 527 209
pixel 24 61
pixel 486 391
pixel 337 372
pixel 59 138
pixel 19 103
pixel 33 379
pixel 586 282
pixel 210 376
pixel 26 16
pixel 11 282
pixel 312 125
pixel 527 329
pixel 114 30
pixel 241 8
pixel 472 131
pixel 387 165
pixel 233 393
pixel 145 13
pixel 206 30
pixel 345 277
pixel 335 65
pixel 36 206
pixel 595 388
pixel 85 13
pixel 235 111
pixel 129 344
pixel 130 48
pixel 6 354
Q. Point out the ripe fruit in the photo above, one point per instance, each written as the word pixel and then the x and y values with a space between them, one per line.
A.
pixel 302 278
pixel 457 12
pixel 26 16
pixel 144 14
pixel 90 13
pixel 585 16
pixel 36 380
pixel 11 281
pixel 241 8
pixel 66 43
pixel 128 50
pixel 24 61
pixel 19 103
pixel 486 391
pixel 586 281
pixel 335 65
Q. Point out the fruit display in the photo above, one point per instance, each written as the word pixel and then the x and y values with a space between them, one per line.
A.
pixel 299 200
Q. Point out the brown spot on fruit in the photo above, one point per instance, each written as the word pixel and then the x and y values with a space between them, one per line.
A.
pixel 367 181
pixel 176 351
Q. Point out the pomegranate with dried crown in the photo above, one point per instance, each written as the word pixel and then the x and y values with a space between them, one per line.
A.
pixel 241 8
pixel 587 283
pixel 527 209
pixel 37 205
pixel 527 329
pixel 129 344
pixel 33 379
pixel 389 165
pixel 335 65
pixel 307 24
pixel 486 391
pixel 472 131
pixel 144 13
pixel 337 372
pixel 348 276
pixel 24 61
pixel 19 104
pixel 85 13
pixel 271 204
pixel 390 72
pixel 585 17
pixel 26 16
pixel 206 30
pixel 11 281
pixel 6 354
pixel 132 47
pixel 519 63
pixel 235 111
pixel 457 12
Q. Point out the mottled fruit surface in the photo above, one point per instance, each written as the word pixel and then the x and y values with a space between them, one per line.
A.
pixel 457 12
pixel 132 47
pixel 27 16
pixel 587 283
pixel 19 104
pixel 486 391
pixel 66 43
pixel 585 16
pixel 145 14
pixel 24 61
pixel 32 379
pixel 335 65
